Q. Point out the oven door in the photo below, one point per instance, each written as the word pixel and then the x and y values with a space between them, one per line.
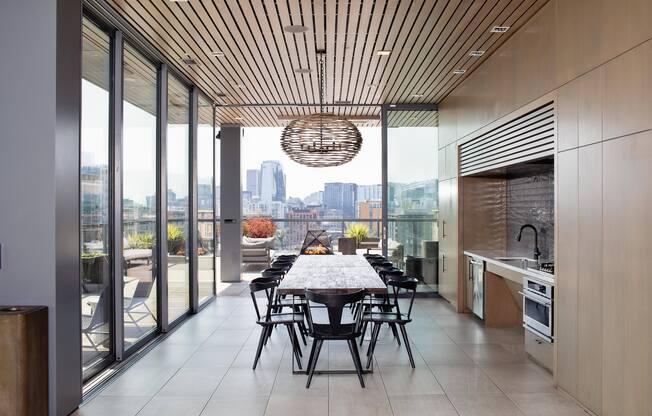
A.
pixel 537 314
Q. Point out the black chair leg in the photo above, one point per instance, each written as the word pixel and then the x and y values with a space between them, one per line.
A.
pixel 295 344
pixel 261 342
pixel 353 347
pixel 372 345
pixel 311 371
pixel 302 331
pixel 395 332
pixel 312 355
pixel 374 334
pixel 407 344
pixel 364 332
pixel 295 340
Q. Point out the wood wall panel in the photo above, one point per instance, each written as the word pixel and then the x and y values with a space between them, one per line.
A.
pixel 566 284
pixel 628 82
pixel 602 78
pixel 590 107
pixel 627 336
pixel 589 286
pixel 567 108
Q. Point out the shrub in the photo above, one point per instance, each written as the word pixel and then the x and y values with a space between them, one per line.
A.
pixel 259 227
pixel 141 241
pixel 176 240
pixel 357 231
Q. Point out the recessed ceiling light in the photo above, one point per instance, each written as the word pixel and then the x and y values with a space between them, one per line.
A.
pixel 241 86
pixel 459 71
pixel 476 54
pixel 417 95
pixel 237 118
pixel 302 70
pixel 383 52
pixel 189 61
pixel 218 54
pixel 342 102
pixel 499 29
pixel 295 29
pixel 220 95
pixel 392 105
pixel 373 85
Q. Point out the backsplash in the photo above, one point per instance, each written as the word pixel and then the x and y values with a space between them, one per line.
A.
pixel 531 200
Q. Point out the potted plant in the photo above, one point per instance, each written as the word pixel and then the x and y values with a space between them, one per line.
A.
pixel 259 230
pixel 95 267
pixel 358 232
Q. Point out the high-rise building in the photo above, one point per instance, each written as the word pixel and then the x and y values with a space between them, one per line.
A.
pixel 272 181
pixel 253 182
pixel 341 196
pixel 372 210
pixel 370 193
pixel 314 199
pixel 297 229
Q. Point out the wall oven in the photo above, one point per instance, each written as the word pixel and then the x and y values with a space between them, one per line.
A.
pixel 537 308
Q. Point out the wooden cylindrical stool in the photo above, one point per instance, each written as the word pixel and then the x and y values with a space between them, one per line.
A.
pixel 23 360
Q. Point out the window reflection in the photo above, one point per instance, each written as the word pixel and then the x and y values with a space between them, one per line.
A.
pixel 95 247
pixel 412 202
pixel 139 260
pixel 178 137
pixel 205 207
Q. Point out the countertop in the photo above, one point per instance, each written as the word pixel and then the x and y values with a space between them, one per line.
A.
pixel 490 257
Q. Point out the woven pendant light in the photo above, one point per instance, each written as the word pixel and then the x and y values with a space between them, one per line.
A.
pixel 322 139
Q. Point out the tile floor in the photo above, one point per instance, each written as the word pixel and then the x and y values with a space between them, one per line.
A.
pixel 204 368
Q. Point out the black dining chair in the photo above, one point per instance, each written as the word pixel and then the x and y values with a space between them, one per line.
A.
pixel 270 319
pixel 273 272
pixel 382 302
pixel 335 329
pixel 395 317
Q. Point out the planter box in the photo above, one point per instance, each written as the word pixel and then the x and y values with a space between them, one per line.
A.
pixel 347 245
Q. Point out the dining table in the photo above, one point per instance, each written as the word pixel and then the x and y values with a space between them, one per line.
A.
pixel 331 273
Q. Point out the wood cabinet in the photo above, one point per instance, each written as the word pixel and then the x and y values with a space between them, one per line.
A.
pixel 448 241
pixel 447 162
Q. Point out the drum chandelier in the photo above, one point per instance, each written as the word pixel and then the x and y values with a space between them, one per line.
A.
pixel 322 139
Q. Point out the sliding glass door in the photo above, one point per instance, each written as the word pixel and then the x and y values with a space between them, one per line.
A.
pixel 411 203
pixel 206 241
pixel 178 199
pixel 139 197
pixel 95 201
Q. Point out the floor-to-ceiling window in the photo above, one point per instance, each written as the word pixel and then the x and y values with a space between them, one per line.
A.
pixel 139 220
pixel 343 200
pixel 206 238
pixel 178 202
pixel 95 202
pixel 412 193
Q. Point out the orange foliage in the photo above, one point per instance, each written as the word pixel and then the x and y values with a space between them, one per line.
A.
pixel 259 227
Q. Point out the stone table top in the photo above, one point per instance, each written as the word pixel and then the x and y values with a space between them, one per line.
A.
pixel 331 272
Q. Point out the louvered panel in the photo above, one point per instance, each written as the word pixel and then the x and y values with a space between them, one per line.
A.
pixel 528 137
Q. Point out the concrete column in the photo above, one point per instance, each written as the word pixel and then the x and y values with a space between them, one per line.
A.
pixel 231 202
pixel 40 80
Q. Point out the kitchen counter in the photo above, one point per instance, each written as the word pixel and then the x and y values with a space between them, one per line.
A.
pixel 490 257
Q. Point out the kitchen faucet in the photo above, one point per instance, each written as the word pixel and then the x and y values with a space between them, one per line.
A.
pixel 537 253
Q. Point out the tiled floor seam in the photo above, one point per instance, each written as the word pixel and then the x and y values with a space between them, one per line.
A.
pixel 188 359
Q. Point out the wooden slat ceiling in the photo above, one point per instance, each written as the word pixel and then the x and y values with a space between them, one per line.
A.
pixel 428 39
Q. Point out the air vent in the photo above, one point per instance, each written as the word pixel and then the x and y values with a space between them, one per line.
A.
pixel 528 137
pixel 189 61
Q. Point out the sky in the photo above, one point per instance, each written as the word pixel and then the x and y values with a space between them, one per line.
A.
pixel 413 157
pixel 412 152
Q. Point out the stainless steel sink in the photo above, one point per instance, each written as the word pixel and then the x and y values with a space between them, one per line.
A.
pixel 522 262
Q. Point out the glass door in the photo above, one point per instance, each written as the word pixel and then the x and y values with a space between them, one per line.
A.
pixel 139 195
pixel 412 204
pixel 205 203
pixel 95 202
pixel 178 201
